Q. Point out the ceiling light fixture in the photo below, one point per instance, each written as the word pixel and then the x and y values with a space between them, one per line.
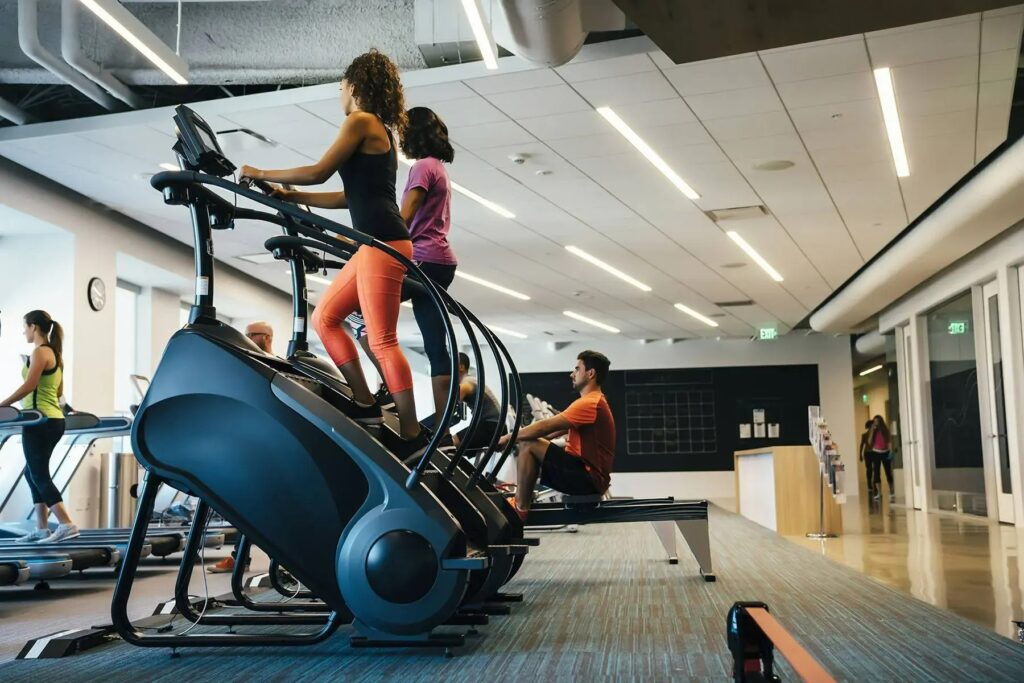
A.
pixel 872 369
pixel 752 253
pixel 502 330
pixel 694 314
pixel 124 23
pixel 496 287
pixel 645 149
pixel 576 251
pixel 483 38
pixel 496 208
pixel 887 95
pixel 591 321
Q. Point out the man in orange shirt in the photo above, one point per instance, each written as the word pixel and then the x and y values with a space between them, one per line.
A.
pixel 584 466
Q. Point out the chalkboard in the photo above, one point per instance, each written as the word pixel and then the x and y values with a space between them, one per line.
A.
pixel 687 419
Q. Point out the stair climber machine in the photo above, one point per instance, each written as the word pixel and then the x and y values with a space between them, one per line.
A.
pixel 391 547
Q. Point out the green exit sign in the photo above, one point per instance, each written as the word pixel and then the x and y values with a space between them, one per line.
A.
pixel 864 398
pixel 958 327
pixel 769 333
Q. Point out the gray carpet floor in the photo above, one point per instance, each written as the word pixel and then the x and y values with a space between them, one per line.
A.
pixel 603 604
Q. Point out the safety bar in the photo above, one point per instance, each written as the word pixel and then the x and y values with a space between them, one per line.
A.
pixel 753 634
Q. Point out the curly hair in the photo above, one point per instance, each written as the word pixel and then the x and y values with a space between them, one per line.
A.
pixel 426 136
pixel 377 87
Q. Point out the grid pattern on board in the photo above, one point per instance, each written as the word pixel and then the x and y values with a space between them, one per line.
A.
pixel 670 420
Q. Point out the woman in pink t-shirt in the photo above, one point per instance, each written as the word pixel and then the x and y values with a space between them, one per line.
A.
pixel 879 451
pixel 426 208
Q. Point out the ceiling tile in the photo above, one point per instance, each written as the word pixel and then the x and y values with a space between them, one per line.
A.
pixel 640 87
pixel 519 80
pixel 750 126
pixel 467 111
pixel 924 44
pixel 606 68
pixel 1001 32
pixel 438 92
pixel 998 66
pixel 733 103
pixel 800 63
pixel 717 75
pixel 818 91
pixel 490 135
pixel 574 124
pixel 559 99
pixel 938 100
pixel 945 73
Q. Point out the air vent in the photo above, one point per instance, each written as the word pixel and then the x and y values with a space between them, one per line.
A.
pixel 734 304
pixel 737 213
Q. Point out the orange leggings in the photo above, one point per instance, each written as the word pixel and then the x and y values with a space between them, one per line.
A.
pixel 370 281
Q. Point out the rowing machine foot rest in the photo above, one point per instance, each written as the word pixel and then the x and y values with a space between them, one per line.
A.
pixel 444 640
pixel 66 643
pixel 490 608
pixel 507 550
pixel 507 597
pixel 468 618
pixel 466 563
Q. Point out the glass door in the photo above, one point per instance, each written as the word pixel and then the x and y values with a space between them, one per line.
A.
pixel 996 432
pixel 911 450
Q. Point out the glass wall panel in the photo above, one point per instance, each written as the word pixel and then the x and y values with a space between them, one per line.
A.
pixel 956 420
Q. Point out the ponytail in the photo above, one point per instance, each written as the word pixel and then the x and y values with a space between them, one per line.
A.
pixel 53 331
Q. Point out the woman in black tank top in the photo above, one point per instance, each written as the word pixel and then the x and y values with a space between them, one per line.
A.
pixel 365 156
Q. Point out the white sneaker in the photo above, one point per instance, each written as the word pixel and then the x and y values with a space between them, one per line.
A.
pixel 64 532
pixel 34 537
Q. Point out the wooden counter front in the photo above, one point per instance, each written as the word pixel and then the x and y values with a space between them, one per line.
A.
pixel 792 479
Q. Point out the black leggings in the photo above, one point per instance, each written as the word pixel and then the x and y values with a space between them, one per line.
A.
pixel 876 461
pixel 435 341
pixel 38 441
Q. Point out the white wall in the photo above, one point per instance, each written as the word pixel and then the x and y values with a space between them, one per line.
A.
pixel 835 385
pixel 102 243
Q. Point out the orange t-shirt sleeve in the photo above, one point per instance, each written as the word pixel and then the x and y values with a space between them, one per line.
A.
pixel 581 412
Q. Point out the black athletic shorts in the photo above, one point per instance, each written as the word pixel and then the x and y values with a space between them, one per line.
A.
pixel 566 473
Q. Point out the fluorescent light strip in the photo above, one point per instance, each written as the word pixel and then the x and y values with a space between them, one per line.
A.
pixel 502 330
pixel 694 314
pixel 887 95
pixel 496 208
pixel 114 15
pixel 758 259
pixel 591 321
pixel 645 149
pixel 483 39
pixel 491 285
pixel 576 251
pixel 170 167
pixel 870 370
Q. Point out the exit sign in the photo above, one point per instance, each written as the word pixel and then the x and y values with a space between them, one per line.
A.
pixel 958 327
pixel 769 333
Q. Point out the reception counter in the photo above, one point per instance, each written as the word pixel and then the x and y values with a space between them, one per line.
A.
pixel 779 487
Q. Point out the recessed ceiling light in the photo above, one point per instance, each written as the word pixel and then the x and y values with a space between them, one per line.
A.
pixel 496 208
pixel 752 253
pixel 774 165
pixel 483 38
pixel 576 251
pixel 694 314
pixel 124 23
pixel 887 95
pixel 645 149
pixel 487 283
pixel 502 330
pixel 591 321
pixel 170 167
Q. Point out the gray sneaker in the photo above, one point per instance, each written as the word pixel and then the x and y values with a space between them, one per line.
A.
pixel 34 537
pixel 64 532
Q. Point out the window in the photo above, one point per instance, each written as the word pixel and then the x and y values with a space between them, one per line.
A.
pixel 126 347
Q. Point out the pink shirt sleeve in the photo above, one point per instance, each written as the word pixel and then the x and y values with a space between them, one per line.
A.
pixel 421 175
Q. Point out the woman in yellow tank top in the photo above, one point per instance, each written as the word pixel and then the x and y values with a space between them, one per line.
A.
pixel 41 388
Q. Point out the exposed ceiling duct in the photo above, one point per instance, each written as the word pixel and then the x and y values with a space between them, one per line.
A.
pixel 28 40
pixel 546 32
pixel 987 202
pixel 71 51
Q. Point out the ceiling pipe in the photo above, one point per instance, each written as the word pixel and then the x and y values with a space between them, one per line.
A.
pixel 14 113
pixel 870 344
pixel 71 51
pixel 28 40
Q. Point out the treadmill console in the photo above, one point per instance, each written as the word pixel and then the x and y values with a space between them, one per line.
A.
pixel 199 144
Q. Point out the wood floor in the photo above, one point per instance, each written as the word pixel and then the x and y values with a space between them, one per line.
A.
pixel 971 566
